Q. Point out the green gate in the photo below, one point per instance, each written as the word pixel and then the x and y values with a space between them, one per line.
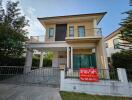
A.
pixel 84 61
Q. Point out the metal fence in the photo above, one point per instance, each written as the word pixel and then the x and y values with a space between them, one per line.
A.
pixel 7 72
pixel 102 73
pixel 39 76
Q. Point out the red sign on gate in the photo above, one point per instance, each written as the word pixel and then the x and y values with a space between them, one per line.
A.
pixel 89 75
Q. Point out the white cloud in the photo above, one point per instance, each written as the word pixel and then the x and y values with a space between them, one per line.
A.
pixel 35 25
pixel 15 0
pixel 31 11
pixel 34 28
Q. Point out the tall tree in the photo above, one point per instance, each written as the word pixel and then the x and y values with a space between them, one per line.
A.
pixel 12 32
pixel 126 31
pixel 1 12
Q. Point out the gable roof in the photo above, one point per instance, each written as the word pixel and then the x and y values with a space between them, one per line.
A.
pixel 114 33
pixel 99 15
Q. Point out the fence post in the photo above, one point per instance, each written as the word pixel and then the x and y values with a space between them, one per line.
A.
pixel 122 76
pixel 62 77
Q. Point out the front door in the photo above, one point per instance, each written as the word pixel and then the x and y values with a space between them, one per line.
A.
pixel 84 61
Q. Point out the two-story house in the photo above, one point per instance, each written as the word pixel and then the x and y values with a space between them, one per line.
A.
pixel 114 44
pixel 112 41
pixel 75 41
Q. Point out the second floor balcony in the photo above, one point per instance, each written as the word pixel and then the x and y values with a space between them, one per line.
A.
pixel 76 35
pixel 87 35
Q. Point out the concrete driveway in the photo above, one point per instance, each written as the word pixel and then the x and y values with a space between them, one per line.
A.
pixel 24 92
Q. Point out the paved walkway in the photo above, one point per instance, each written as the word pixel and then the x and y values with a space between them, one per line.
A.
pixel 19 92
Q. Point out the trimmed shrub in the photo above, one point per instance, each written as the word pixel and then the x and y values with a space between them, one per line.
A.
pixel 10 61
pixel 47 63
pixel 122 59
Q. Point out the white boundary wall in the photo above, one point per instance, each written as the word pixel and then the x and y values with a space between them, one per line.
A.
pixel 103 87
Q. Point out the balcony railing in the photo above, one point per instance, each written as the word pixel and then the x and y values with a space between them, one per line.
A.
pixel 93 32
pixel 37 38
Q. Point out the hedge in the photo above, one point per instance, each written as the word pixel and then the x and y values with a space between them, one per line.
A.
pixel 122 59
pixel 13 61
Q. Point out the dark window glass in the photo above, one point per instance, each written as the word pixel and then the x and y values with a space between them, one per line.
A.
pixel 71 31
pixel 51 32
pixel 84 61
pixel 81 31
pixel 106 44
pixel 61 30
pixel 116 43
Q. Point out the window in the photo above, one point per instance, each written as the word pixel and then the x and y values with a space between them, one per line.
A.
pixel 84 61
pixel 106 44
pixel 81 31
pixel 51 32
pixel 116 43
pixel 71 31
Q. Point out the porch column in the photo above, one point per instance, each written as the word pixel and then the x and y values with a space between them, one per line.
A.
pixel 71 57
pixel 101 57
pixel 28 62
pixel 67 57
pixel 105 58
pixel 41 60
pixel 95 26
pixel 98 59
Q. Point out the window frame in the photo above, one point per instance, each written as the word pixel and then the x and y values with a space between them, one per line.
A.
pixel 71 35
pixel 49 34
pixel 78 31
pixel 106 45
pixel 116 45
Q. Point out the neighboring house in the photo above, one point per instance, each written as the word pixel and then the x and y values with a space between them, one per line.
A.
pixel 75 41
pixel 112 42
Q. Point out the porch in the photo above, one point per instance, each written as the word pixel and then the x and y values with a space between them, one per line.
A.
pixel 69 55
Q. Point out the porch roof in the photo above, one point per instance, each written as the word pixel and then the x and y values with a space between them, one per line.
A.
pixel 60 45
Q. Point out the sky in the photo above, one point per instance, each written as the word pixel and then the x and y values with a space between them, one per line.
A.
pixel 34 9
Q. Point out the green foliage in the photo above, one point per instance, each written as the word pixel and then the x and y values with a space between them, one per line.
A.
pixel 122 59
pixel 49 55
pixel 84 96
pixel 15 61
pixel 12 33
pixel 126 31
pixel 126 24
pixel 47 63
pixel 11 61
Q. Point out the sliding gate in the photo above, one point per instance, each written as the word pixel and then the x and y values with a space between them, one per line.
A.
pixel 38 76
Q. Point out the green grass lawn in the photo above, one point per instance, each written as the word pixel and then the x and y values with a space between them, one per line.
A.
pixel 82 96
